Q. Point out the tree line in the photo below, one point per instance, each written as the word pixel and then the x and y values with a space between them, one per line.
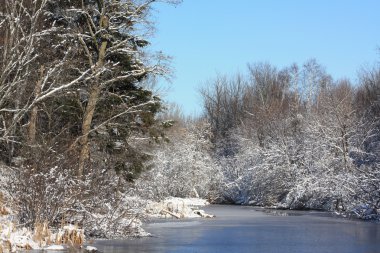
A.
pixel 296 138
pixel 290 138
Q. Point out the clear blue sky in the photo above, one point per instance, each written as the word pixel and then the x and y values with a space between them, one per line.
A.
pixel 206 37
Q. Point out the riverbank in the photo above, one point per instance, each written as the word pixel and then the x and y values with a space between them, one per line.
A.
pixel 14 237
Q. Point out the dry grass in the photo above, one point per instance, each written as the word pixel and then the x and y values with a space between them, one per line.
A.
pixel 70 236
pixel 28 247
pixel 5 247
pixel 42 233
pixel 3 210
pixel 11 228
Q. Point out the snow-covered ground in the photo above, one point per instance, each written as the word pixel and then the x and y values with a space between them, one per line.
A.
pixel 178 208
pixel 13 237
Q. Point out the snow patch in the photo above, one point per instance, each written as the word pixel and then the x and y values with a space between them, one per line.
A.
pixel 91 249
pixel 178 208
pixel 55 247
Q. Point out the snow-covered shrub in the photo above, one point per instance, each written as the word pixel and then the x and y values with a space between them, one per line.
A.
pixel 43 195
pixel 299 168
pixel 182 168
pixel 256 175
pixel 365 155
pixel 97 202
pixel 115 217
pixel 322 191
pixel 5 181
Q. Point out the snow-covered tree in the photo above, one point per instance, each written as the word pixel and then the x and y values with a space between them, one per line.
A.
pixel 111 37
pixel 73 73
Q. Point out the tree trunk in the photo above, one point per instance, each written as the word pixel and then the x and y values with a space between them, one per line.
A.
pixel 33 114
pixel 86 127
pixel 91 105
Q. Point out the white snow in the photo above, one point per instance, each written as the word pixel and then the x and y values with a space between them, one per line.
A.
pixel 55 247
pixel 177 208
pixel 70 227
pixel 91 249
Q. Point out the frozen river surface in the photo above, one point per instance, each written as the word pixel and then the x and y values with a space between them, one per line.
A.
pixel 245 229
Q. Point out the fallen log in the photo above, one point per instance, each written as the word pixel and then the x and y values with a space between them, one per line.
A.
pixel 203 214
pixel 171 213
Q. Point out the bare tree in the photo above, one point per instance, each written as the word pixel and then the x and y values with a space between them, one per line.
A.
pixel 223 103
pixel 314 79
pixel 336 118
pixel 23 49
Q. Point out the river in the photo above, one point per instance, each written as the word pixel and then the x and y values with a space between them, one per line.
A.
pixel 247 229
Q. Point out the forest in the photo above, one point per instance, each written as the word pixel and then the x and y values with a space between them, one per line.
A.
pixel 86 138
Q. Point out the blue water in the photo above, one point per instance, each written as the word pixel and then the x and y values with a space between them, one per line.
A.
pixel 246 229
